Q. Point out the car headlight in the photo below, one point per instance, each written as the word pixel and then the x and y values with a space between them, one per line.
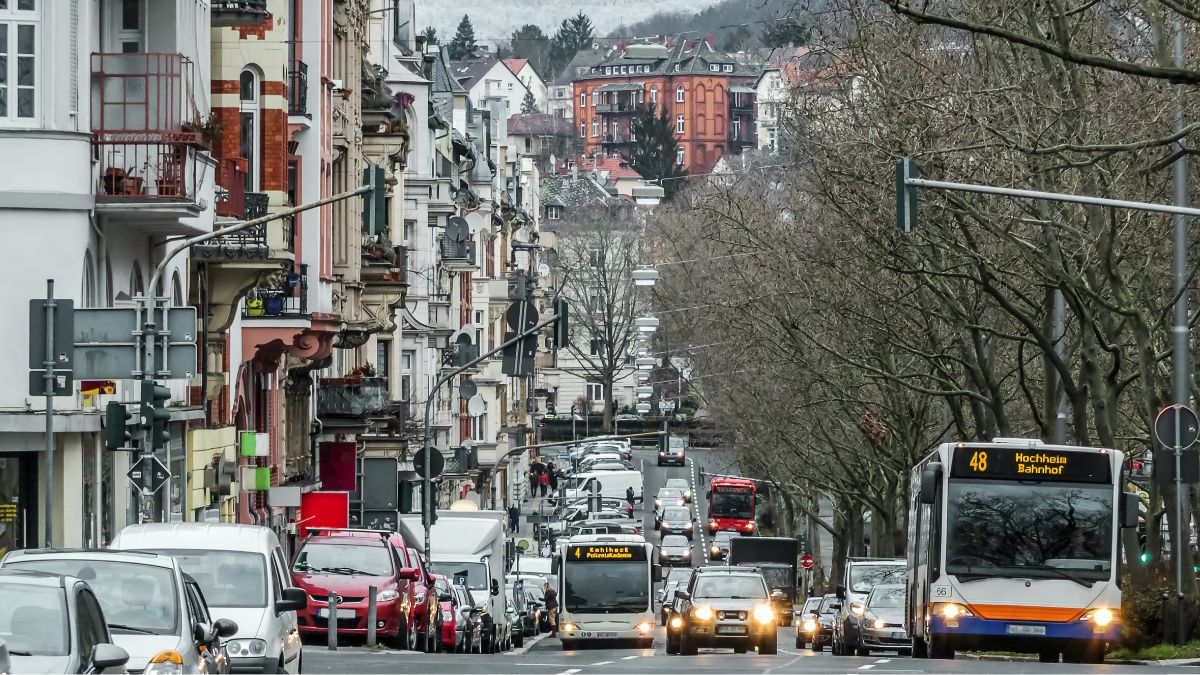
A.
pixel 447 615
pixel 658 503
pixel 246 647
pixel 165 663
pixel 387 596
pixel 676 622
pixel 687 553
pixel 764 614
pixel 688 526
pixel 703 613
pixel 749 527
pixel 856 608
pixel 713 550
pixel 810 626
pixel 875 622
pixel 1101 617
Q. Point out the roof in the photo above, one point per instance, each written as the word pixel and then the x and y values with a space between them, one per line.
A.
pixel 615 168
pixel 679 56
pixel 467 73
pixel 515 65
pixel 32 577
pixel 584 58
pixel 138 557
pixel 216 536
pixel 443 80
pixel 620 86
pixel 539 124
pixel 574 193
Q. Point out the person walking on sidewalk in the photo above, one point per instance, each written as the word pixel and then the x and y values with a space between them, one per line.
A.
pixel 514 518
pixel 629 495
pixel 533 482
pixel 544 481
pixel 551 601
pixel 554 482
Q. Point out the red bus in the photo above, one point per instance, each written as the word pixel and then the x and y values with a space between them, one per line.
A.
pixel 731 505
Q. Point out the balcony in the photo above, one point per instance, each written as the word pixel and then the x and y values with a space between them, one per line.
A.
pixel 458 255
pixel 231 188
pixel 385 264
pixel 288 300
pixel 347 399
pixel 297 91
pixel 620 108
pixel 226 13
pixel 616 139
pixel 150 144
pixel 741 100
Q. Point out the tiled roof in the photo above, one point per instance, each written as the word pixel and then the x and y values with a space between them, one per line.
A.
pixel 683 56
pixel 584 58
pixel 575 193
pixel 515 65
pixel 469 72
pixel 615 168
pixel 538 124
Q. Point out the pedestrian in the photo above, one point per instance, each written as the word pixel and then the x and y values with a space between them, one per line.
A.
pixel 544 481
pixel 629 495
pixel 554 481
pixel 514 518
pixel 533 482
pixel 551 600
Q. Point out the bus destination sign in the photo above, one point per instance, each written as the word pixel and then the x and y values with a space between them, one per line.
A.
pixel 739 489
pixel 1031 464
pixel 607 552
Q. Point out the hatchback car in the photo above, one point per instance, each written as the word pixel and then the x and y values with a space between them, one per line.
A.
pixel 805 620
pixel 345 564
pixel 883 621
pixel 723 607
pixel 154 611
pixel 52 623
pixel 827 614
pixel 719 548
pixel 677 520
pixel 675 549
pixel 682 485
pixel 668 497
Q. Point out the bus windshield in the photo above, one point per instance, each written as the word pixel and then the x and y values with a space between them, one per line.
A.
pixel 1001 528
pixel 607 586
pixel 732 504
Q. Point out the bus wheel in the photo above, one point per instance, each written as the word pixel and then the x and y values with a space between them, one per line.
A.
pixel 919 650
pixel 940 648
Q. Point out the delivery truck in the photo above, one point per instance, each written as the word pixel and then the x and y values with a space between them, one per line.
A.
pixel 777 557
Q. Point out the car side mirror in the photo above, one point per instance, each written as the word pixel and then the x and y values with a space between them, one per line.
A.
pixel 840 592
pixel 409 574
pixel 203 633
pixel 682 595
pixel 445 597
pixel 291 600
pixel 495 587
pixel 104 656
pixel 1130 507
pixel 931 477
pixel 225 627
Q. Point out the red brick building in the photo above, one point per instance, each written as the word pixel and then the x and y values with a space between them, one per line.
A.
pixel 709 95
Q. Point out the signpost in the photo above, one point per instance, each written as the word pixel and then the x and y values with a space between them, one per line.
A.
pixel 50 361
pixel 1176 427
pixel 806 561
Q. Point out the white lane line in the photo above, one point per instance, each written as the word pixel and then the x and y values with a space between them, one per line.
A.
pixel 867 667
pixel 601 663
pixel 883 661
pixel 630 658
pixel 570 671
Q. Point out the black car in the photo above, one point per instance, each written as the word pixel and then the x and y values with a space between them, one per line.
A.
pixel 827 613
pixel 723 607
pixel 677 520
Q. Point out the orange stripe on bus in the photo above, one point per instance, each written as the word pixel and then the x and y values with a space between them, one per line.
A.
pixel 1026 613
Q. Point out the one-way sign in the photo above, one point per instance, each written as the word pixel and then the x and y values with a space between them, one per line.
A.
pixel 150 473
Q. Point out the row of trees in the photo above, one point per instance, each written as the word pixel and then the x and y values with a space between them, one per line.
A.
pixel 836 350
pixel 548 54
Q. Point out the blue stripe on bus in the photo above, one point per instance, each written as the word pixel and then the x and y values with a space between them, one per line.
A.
pixel 973 625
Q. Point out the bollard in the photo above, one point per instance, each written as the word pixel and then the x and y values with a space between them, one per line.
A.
pixel 333 621
pixel 370 616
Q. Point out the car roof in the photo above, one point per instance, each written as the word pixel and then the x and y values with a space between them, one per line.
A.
pixel 729 569
pixel 35 578
pixel 138 557
pixel 218 536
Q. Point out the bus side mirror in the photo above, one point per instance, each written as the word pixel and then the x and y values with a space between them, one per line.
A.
pixel 657 573
pixel 930 477
pixel 1130 505
pixel 840 592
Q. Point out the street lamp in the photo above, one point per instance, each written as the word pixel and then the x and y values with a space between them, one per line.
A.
pixel 644 276
pixel 646 324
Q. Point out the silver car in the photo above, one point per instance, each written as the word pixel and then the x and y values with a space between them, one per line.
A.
pixel 154 611
pixel 39 615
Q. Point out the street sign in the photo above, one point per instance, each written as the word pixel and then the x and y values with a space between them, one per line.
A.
pixel 107 349
pixel 1175 417
pixel 437 463
pixel 150 473
pixel 806 561
pixel 62 383
pixel 467 389
pixel 64 326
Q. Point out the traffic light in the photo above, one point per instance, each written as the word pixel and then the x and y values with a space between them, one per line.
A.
pixel 374 213
pixel 562 328
pixel 1145 557
pixel 116 431
pixel 155 415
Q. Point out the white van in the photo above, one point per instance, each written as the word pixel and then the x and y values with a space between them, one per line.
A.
pixel 612 484
pixel 244 577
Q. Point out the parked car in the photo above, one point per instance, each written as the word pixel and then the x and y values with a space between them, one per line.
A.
pixel 39 613
pixel 805 620
pixel 244 576
pixel 516 629
pixel 468 620
pixel 154 611
pixel 421 602
pixel 346 563
pixel 606 504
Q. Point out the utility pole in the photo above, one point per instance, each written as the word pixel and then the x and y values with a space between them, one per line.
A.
pixel 49 381
pixel 1180 376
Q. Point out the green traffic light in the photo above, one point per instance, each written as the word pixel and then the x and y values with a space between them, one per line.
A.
pixel 1145 557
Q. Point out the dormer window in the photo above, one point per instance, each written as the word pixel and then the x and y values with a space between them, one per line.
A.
pixel 729 67
pixel 714 67
pixel 608 71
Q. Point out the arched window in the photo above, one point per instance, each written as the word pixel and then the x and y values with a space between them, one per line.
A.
pixel 679 94
pixel 250 121
pixel 88 295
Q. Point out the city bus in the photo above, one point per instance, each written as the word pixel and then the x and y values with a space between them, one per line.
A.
pixel 731 503
pixel 1013 546
pixel 605 584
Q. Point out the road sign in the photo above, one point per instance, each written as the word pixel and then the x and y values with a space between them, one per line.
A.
pixel 437 463
pixel 150 473
pixel 1175 417
pixel 806 561
pixel 107 349
pixel 467 389
pixel 64 352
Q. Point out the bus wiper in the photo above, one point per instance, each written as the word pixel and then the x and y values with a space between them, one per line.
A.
pixel 1066 575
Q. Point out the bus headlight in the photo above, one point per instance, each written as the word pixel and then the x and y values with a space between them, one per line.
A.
pixel 1102 616
pixel 643 627
pixel 567 627
pixel 703 613
pixel 764 614
pixel 952 610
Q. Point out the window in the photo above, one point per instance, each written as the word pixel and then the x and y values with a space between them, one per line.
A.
pixel 18 61
pixel 583 131
pixel 654 94
pixel 605 126
pixel 510 86
pixel 410 230
pixel 595 300
pixel 624 70
pixel 679 94
pixel 383 358
pixel 595 257
pixel 249 135
pixel 679 124
pixel 595 98
pixel 582 99
pixel 737 128
pixel 608 71
pixel 714 67
pixel 554 213
pixel 595 391
pixel 90 623
pixel 595 128
pixel 728 68
pixel 596 347
pixel 479 428
pixel 89 296
pixel 407 357
pixel 679 156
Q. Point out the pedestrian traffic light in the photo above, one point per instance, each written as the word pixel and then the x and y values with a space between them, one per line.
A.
pixel 155 415
pixel 562 328
pixel 116 431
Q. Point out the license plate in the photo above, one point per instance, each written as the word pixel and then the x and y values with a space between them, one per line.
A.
pixel 731 630
pixel 899 635
pixel 1019 629
pixel 596 634
pixel 342 613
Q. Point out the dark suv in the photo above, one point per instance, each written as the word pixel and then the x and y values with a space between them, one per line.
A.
pixel 723 607
pixel 345 563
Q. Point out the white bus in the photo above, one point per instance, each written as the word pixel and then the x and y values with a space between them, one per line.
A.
pixel 1013 545
pixel 605 589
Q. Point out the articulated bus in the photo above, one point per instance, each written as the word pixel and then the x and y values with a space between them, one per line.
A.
pixel 1013 545
pixel 731 502
pixel 605 589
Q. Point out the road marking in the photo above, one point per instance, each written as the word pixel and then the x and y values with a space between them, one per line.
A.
pixel 883 661
pixel 570 671
pixel 601 663
pixel 867 667
pixel 630 658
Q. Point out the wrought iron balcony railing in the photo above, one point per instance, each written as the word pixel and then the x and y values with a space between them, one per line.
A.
pixel 298 88
pixel 352 397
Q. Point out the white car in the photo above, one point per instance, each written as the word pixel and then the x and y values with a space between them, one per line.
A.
pixel 244 576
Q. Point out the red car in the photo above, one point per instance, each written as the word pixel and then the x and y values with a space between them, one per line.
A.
pixel 449 612
pixel 346 563
pixel 420 607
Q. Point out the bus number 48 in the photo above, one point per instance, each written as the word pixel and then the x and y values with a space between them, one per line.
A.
pixel 979 461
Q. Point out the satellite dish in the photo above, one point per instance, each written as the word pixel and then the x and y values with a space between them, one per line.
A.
pixel 543 270
pixel 476 406
pixel 467 389
pixel 457 228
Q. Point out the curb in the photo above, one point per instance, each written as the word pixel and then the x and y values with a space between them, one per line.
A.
pixel 997 657
pixel 529 644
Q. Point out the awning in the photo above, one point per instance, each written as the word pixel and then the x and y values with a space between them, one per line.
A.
pixel 742 89
pixel 622 86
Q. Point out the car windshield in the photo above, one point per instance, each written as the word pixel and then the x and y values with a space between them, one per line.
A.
pixel 778 577
pixel 33 620
pixel 1001 528
pixel 676 515
pixel 227 578
pixel 729 586
pixel 669 493
pixel 825 604
pixel 332 558
pixel 679 574
pixel 811 605
pixel 470 574
pixel 674 541
pixel 723 538
pixel 135 598
pixel 608 586
pixel 865 576
pixel 889 598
